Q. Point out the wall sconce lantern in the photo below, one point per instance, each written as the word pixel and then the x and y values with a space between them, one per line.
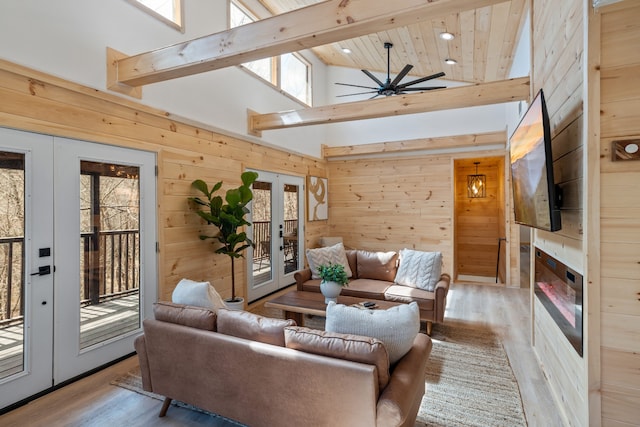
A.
pixel 476 184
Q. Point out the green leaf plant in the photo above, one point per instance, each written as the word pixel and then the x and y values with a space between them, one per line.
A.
pixel 228 215
pixel 333 273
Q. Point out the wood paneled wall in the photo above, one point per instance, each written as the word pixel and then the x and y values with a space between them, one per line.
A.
pixel 558 68
pixel 619 213
pixel 479 223
pixel 37 102
pixel 393 203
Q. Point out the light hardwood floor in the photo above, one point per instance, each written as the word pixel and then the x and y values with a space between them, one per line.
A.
pixel 92 401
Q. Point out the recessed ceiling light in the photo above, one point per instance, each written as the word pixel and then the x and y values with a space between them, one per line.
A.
pixel 346 50
pixel 450 61
pixel 446 36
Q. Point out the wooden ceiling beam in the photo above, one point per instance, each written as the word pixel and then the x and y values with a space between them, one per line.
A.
pixel 510 90
pixel 422 144
pixel 316 25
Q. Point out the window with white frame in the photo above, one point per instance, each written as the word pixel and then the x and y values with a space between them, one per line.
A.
pixel 167 11
pixel 289 72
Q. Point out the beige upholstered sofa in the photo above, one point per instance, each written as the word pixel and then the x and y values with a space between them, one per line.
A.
pixel 235 364
pixel 373 278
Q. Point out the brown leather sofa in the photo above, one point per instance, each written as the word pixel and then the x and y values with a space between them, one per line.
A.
pixel 234 364
pixel 375 281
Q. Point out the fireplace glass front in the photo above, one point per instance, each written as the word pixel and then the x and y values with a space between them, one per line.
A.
pixel 559 289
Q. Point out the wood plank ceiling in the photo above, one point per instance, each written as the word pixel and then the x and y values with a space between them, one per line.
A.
pixel 483 46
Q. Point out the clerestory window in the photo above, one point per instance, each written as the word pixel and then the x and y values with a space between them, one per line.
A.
pixel 167 11
pixel 290 72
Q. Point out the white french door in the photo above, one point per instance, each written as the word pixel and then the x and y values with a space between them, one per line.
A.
pixel 84 219
pixel 277 230
pixel 26 299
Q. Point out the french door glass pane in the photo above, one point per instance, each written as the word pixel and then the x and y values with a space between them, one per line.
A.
pixel 109 251
pixel 261 214
pixel 291 230
pixel 12 328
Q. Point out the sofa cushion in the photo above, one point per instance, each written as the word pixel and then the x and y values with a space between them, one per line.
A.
pixel 199 294
pixel 366 288
pixel 419 269
pixel 355 348
pixel 377 265
pixel 406 294
pixel 243 324
pixel 194 317
pixel 353 262
pixel 396 327
pixel 330 255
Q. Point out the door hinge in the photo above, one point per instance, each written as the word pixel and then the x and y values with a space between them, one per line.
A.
pixel 157 247
pixel 156 170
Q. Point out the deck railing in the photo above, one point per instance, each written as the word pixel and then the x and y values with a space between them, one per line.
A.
pixel 108 270
pixel 11 272
pixel 262 235
pixel 110 267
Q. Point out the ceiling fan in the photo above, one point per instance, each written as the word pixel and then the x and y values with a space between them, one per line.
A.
pixel 394 87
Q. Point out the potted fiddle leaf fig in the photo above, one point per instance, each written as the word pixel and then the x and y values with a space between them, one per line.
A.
pixel 333 279
pixel 228 215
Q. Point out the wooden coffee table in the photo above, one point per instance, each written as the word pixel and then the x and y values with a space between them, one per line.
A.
pixel 296 304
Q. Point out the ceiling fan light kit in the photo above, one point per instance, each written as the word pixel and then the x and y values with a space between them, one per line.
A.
pixel 393 87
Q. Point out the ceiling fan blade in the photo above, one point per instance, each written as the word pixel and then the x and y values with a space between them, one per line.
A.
pixel 424 79
pixel 364 87
pixel 372 77
pixel 403 73
pixel 423 88
pixel 359 93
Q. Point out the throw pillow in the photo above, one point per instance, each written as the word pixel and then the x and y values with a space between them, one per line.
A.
pixel 194 317
pixel 321 256
pixel 419 269
pixel 199 294
pixel 250 326
pixel 396 327
pixel 355 348
pixel 376 265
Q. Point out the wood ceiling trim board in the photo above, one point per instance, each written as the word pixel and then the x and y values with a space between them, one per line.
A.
pixel 457 141
pixel 432 48
pixel 455 51
pixel 467 34
pixel 420 49
pixel 514 29
pixel 499 19
pixel 483 21
pixel 316 25
pixel 443 99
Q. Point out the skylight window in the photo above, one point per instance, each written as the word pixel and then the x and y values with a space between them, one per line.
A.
pixel 167 11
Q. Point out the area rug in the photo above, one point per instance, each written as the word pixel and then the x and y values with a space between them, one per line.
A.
pixel 469 380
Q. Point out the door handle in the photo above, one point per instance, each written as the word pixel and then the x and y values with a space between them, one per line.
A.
pixel 43 270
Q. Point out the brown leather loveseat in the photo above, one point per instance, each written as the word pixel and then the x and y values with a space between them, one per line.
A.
pixel 235 364
pixel 373 275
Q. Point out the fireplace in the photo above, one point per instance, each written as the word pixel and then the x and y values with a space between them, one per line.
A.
pixel 559 289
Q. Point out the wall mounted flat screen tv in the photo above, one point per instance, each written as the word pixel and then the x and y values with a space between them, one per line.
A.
pixel 536 198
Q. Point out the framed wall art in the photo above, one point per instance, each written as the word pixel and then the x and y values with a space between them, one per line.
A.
pixel 317 198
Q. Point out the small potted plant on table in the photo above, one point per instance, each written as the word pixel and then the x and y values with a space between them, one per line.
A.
pixel 333 279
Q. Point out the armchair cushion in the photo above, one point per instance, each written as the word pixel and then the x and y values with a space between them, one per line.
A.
pixel 419 269
pixel 396 327
pixel 341 346
pixel 250 326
